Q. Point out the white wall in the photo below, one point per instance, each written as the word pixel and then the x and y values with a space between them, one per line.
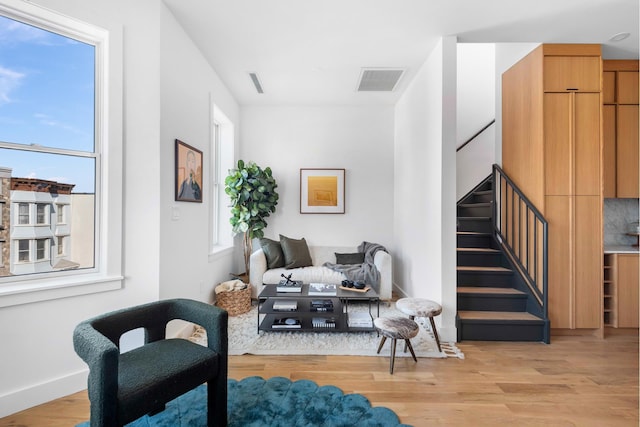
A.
pixel 507 54
pixel 38 362
pixel 188 84
pixel 424 203
pixel 356 138
pixel 476 99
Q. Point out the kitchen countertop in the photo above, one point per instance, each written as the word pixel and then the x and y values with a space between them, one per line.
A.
pixel 620 249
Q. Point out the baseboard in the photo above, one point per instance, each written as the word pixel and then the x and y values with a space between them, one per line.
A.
pixel 28 397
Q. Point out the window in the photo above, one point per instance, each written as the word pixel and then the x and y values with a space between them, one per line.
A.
pixel 60 245
pixel 23 213
pixel 41 213
pixel 23 250
pixel 41 249
pixel 60 214
pixel 58 78
pixel 222 148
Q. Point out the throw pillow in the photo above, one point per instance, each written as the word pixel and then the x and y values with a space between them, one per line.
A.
pixel 354 258
pixel 296 252
pixel 273 251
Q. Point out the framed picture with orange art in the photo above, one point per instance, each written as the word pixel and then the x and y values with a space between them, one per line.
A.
pixel 322 191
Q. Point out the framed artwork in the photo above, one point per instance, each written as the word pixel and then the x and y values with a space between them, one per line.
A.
pixel 322 191
pixel 188 173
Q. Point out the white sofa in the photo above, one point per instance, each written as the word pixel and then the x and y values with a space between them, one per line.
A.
pixel 259 274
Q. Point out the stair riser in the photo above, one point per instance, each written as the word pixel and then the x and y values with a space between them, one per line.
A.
pixel 472 331
pixel 479 259
pixel 473 241
pixel 477 225
pixel 474 211
pixel 474 278
pixel 482 198
pixel 490 303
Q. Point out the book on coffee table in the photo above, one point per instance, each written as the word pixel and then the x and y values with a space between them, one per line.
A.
pixel 287 323
pixel 323 322
pixel 322 289
pixel 285 305
pixel 289 286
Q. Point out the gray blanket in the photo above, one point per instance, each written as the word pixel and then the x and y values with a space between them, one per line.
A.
pixel 365 272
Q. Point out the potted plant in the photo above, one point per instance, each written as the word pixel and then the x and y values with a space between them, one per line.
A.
pixel 253 198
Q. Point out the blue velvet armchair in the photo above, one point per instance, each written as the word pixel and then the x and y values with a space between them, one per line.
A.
pixel 124 387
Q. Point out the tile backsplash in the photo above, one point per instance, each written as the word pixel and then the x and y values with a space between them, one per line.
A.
pixel 619 218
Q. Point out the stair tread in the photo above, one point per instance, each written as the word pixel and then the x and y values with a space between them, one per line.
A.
pixel 473 233
pixel 479 268
pixel 488 290
pixel 480 218
pixel 475 205
pixel 490 250
pixel 483 192
pixel 497 315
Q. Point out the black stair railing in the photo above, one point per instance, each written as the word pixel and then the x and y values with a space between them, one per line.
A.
pixel 523 232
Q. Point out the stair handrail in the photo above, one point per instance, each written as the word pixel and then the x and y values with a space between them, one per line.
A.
pixel 505 195
pixel 464 144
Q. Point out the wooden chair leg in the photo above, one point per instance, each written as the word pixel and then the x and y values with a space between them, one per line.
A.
pixel 407 343
pixel 393 355
pixel 412 317
pixel 435 333
pixel 381 344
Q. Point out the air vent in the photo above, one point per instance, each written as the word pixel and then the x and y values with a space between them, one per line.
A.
pixel 256 82
pixel 379 79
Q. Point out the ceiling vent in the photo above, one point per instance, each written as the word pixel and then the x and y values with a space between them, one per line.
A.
pixel 379 79
pixel 256 82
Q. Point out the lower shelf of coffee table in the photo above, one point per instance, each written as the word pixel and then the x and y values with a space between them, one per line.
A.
pixel 306 323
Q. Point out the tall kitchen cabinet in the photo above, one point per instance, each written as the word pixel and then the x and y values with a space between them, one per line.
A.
pixel 620 121
pixel 552 149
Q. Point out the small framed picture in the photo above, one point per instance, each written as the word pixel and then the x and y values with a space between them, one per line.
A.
pixel 322 191
pixel 188 173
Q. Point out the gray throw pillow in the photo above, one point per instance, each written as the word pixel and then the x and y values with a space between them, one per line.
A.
pixel 354 258
pixel 296 252
pixel 273 251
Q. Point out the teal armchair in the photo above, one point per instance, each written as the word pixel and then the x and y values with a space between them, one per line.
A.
pixel 125 386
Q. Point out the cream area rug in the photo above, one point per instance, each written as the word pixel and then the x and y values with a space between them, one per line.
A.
pixel 244 338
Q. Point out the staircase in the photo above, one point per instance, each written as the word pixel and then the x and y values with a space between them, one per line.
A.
pixel 494 302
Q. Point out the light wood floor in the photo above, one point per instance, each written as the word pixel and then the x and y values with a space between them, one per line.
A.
pixel 574 381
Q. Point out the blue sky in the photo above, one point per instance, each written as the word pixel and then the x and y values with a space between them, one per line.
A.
pixel 46 98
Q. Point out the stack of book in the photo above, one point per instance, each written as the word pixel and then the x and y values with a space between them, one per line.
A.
pixel 285 305
pixel 286 323
pixel 323 322
pixel 322 289
pixel 321 305
pixel 289 286
pixel 360 320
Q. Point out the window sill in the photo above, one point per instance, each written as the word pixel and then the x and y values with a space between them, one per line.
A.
pixel 218 252
pixel 26 292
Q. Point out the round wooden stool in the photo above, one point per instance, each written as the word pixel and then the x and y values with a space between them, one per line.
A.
pixel 420 307
pixel 396 328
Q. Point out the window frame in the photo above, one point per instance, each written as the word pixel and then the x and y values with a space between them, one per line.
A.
pixel 106 275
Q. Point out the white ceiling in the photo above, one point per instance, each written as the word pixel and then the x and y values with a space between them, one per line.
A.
pixel 309 52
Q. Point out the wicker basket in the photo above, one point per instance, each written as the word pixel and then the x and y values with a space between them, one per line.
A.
pixel 235 302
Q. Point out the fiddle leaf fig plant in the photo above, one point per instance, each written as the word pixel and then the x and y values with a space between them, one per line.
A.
pixel 253 195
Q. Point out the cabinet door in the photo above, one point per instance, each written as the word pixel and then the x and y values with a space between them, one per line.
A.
pixel 609 87
pixel 609 150
pixel 566 73
pixel 588 261
pixel 627 151
pixel 558 131
pixel 627 284
pixel 586 147
pixel 557 211
pixel 627 87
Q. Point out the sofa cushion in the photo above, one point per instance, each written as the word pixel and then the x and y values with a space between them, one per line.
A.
pixel 353 258
pixel 296 252
pixel 273 251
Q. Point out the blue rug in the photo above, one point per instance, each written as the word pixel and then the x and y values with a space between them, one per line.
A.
pixel 277 401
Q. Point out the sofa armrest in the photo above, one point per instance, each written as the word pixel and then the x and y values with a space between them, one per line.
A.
pixel 257 268
pixel 382 261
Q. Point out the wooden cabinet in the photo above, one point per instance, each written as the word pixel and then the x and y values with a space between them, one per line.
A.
pixel 552 111
pixel 620 290
pixel 620 129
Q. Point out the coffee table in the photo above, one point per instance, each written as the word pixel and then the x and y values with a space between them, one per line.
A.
pixel 307 319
